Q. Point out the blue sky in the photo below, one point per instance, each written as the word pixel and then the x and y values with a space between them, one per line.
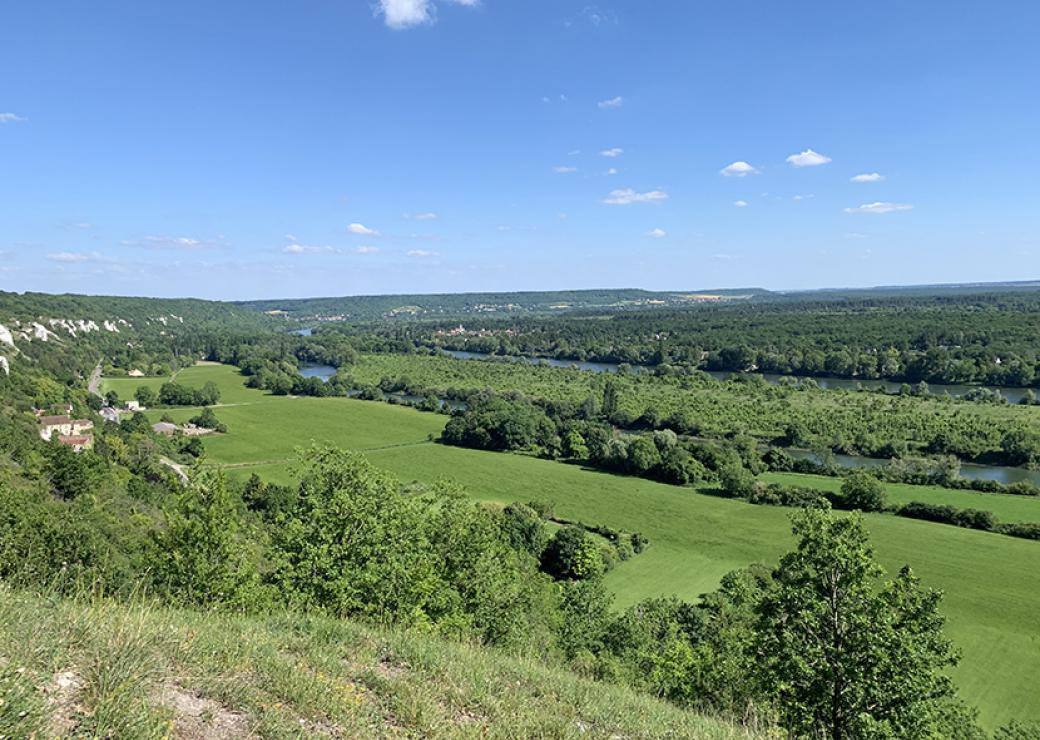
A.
pixel 250 148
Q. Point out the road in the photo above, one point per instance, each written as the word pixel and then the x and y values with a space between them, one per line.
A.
pixel 95 381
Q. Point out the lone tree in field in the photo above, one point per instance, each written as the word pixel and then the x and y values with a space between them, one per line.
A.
pixel 845 656
pixel 863 491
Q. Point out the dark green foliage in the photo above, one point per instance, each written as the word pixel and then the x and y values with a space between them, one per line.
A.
pixel 71 474
pixel 861 490
pixel 200 557
pixel 524 529
pixel 970 518
pixel 208 420
pixel 174 394
pixel 499 424
pixel 572 554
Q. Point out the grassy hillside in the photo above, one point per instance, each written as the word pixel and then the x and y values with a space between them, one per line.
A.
pixel 992 582
pixel 104 669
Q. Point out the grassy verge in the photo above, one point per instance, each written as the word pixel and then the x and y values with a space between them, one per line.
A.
pixel 105 669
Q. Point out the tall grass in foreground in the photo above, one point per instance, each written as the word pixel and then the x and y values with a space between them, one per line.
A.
pixel 93 667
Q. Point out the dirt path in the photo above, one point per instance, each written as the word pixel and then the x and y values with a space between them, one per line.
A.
pixel 175 467
pixel 95 381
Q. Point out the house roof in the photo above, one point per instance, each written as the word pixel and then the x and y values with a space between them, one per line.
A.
pixel 164 426
pixel 53 421
pixel 83 422
pixel 75 439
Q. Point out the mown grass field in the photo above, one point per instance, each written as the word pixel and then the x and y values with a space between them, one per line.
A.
pixel 100 668
pixel 992 582
pixel 1005 507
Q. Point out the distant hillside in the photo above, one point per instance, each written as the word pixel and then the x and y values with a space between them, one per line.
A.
pixel 105 669
pixel 69 333
pixel 509 303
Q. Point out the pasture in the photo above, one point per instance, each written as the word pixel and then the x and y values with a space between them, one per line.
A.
pixel 991 582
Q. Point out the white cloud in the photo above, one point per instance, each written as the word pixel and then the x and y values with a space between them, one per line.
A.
pixel 879 207
pixel 612 102
pixel 362 230
pixel 425 216
pixel 740 203
pixel 855 235
pixel 306 249
pixel 808 158
pixel 657 233
pixel 185 243
pixel 421 253
pixel 73 256
pixel 868 177
pixel 291 238
pixel 612 171
pixel 11 118
pixel 366 250
pixel 564 170
pixel 627 196
pixel 803 197
pixel 399 14
pixel 573 152
pixel 614 152
pixel 739 168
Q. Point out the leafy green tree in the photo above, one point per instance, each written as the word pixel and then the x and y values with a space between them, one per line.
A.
pixel 574 445
pixel 584 617
pixel 354 544
pixel 146 396
pixel 844 658
pixel 572 554
pixel 72 473
pixel 863 491
pixel 524 529
pixel 200 557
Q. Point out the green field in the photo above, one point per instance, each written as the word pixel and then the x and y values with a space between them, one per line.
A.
pixel 992 582
pixel 1007 508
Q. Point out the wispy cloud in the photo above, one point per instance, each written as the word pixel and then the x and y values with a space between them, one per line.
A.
pixel 740 168
pixel 879 207
pixel 808 158
pixel 366 250
pixel 362 230
pixel 868 177
pixel 425 216
pixel 69 257
pixel 612 171
pixel 307 248
pixel 614 152
pixel 563 170
pixel 421 253
pixel 400 14
pixel 628 196
pixel 181 243
pixel 740 203
pixel 612 102
pixel 657 233
pixel 11 118
pixel 804 197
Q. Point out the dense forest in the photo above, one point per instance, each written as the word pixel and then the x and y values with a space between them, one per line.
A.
pixel 937 338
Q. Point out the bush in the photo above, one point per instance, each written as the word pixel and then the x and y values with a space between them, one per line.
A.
pixel 572 555
pixel 861 490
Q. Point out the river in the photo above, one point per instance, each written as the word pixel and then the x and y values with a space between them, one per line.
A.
pixel 1013 395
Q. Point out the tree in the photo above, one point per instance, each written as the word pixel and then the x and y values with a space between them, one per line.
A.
pixel 843 658
pixel 198 557
pixel 524 529
pixel 572 554
pixel 146 396
pixel 863 491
